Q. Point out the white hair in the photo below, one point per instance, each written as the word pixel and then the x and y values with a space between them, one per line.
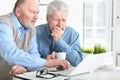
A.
pixel 56 5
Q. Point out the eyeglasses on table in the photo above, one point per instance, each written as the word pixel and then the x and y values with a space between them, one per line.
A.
pixel 43 73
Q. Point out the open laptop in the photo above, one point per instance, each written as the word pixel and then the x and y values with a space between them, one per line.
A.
pixel 89 64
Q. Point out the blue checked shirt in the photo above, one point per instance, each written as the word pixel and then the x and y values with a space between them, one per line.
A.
pixel 69 43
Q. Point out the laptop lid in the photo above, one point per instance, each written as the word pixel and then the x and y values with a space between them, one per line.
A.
pixel 91 63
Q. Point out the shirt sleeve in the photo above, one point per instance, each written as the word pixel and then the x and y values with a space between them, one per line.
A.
pixel 14 55
pixel 73 50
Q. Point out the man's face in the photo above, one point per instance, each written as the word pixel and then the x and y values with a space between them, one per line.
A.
pixel 28 13
pixel 57 19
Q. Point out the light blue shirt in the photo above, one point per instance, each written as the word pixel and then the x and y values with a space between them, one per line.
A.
pixel 68 43
pixel 13 55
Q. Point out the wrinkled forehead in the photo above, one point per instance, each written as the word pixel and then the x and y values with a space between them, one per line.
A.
pixel 57 13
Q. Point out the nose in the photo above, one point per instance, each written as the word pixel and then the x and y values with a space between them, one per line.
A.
pixel 60 23
pixel 36 16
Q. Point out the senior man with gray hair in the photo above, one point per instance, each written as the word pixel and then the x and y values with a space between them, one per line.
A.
pixel 19 50
pixel 55 36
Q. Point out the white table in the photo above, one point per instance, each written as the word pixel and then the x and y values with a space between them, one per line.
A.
pixel 105 73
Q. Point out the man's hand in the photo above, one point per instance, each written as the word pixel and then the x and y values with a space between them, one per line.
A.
pixel 57 33
pixel 57 62
pixel 17 69
pixel 51 56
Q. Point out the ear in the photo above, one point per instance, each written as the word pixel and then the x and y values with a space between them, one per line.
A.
pixel 47 18
pixel 17 11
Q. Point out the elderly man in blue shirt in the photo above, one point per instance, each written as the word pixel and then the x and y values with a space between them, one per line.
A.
pixel 18 40
pixel 55 36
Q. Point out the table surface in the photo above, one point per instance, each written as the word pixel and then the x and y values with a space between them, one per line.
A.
pixel 104 73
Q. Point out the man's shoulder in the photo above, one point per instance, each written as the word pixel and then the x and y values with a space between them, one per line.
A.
pixel 41 26
pixel 5 22
pixel 5 19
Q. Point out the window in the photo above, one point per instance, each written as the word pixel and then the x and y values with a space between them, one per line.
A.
pixel 92 19
pixel 97 17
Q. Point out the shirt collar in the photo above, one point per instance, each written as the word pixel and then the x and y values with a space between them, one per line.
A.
pixel 17 23
pixel 48 30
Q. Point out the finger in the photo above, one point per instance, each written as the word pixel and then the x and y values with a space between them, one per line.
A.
pixel 11 72
pixel 48 57
pixel 57 28
pixel 19 70
pixel 53 34
pixel 65 64
pixel 53 54
pixel 13 69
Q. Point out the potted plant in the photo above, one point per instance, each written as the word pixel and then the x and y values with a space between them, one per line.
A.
pixel 97 49
pixel 86 51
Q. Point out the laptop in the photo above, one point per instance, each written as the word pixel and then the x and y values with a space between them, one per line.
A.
pixel 89 64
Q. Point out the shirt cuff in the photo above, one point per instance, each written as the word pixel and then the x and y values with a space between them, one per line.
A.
pixel 41 64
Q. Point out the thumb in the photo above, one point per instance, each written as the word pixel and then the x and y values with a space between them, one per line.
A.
pixel 53 54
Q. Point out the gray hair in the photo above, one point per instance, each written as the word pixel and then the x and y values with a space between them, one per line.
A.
pixel 18 3
pixel 56 5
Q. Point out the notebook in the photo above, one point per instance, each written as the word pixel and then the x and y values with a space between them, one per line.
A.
pixel 89 64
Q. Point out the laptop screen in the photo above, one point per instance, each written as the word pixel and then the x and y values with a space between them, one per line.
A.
pixel 91 63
